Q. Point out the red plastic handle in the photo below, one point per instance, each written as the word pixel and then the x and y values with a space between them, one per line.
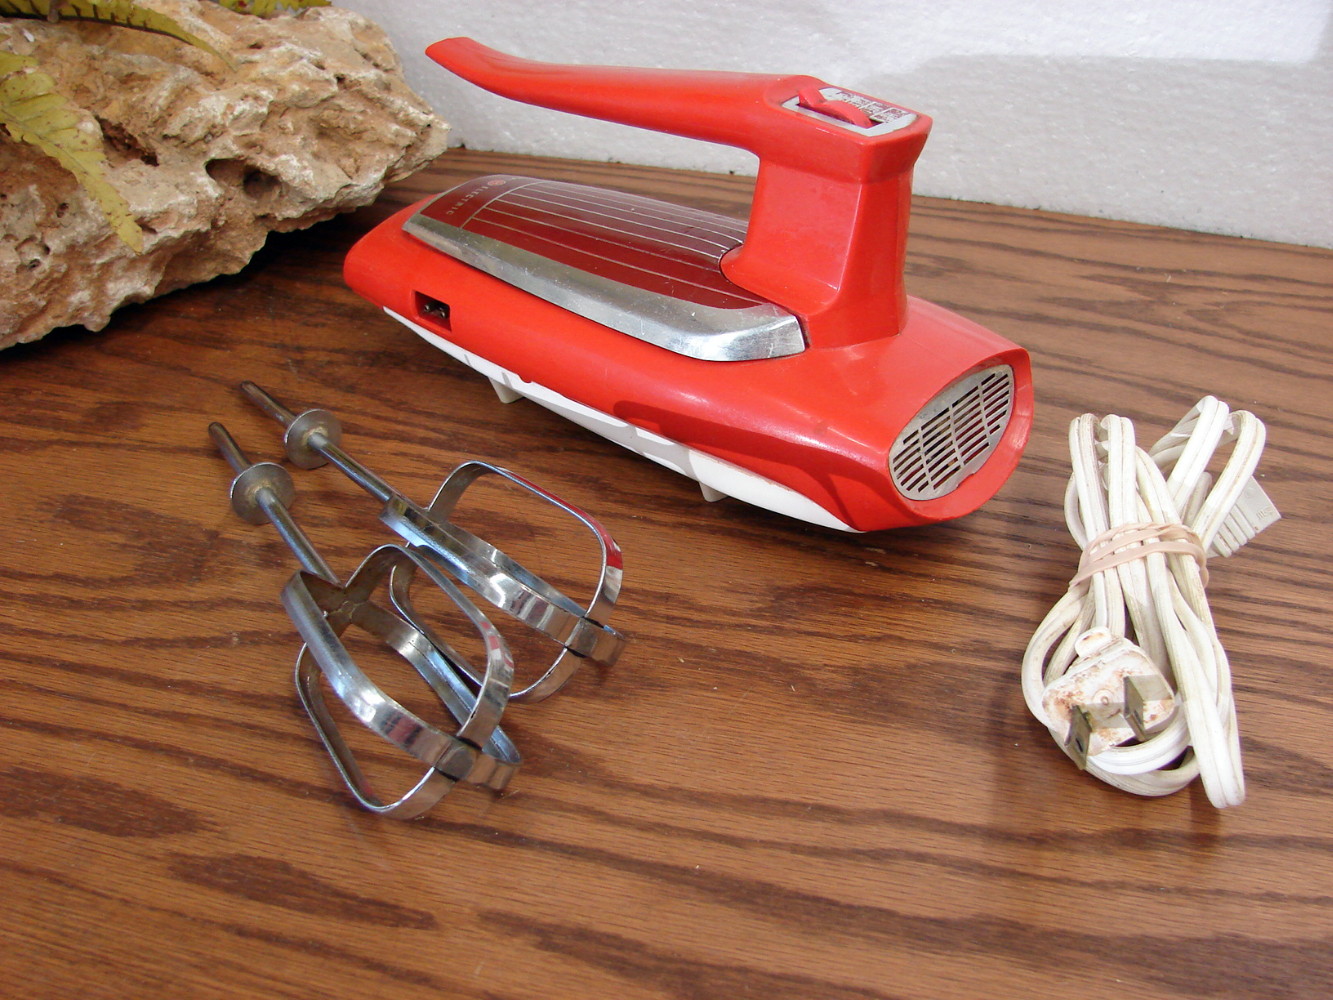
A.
pixel 718 107
pixel 828 227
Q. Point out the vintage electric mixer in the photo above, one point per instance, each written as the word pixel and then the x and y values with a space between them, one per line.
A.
pixel 779 362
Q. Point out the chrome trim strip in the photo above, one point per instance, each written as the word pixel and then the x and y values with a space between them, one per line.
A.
pixel 695 331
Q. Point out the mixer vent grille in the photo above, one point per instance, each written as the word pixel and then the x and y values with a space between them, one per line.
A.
pixel 953 435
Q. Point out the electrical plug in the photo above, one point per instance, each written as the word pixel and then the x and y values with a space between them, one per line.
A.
pixel 1254 511
pixel 1111 694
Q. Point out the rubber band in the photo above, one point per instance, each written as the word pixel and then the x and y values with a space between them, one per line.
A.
pixel 1127 542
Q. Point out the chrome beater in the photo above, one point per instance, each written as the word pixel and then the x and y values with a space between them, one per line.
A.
pixel 314 438
pixel 435 551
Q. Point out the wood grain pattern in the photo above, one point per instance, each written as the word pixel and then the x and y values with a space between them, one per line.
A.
pixel 811 776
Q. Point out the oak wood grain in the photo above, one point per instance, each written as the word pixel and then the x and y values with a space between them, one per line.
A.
pixel 810 776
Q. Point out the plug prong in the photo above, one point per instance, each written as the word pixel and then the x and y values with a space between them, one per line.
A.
pixel 1140 690
pixel 1079 740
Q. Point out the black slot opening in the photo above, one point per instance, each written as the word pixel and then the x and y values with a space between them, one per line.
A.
pixel 433 310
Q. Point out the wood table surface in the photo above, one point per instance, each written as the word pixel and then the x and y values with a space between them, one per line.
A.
pixel 811 774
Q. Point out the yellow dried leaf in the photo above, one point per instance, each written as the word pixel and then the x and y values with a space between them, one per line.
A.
pixel 34 113
pixel 267 8
pixel 125 13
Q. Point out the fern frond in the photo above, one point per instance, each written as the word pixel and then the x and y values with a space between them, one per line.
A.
pixel 27 8
pixel 33 112
pixel 267 8
pixel 125 13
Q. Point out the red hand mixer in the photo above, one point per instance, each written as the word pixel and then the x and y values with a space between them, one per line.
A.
pixel 779 362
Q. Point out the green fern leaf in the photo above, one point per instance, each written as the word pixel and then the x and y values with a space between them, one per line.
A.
pixel 33 112
pixel 25 8
pixel 125 13
pixel 267 8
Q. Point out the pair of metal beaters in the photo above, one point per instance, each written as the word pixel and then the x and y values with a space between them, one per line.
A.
pixel 378 599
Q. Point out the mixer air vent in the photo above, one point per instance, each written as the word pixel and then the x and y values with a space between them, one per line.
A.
pixel 953 435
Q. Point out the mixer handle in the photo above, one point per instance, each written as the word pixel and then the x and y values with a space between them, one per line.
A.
pixel 727 108
pixel 828 226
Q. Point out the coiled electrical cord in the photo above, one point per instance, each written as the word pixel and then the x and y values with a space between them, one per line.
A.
pixel 1147 521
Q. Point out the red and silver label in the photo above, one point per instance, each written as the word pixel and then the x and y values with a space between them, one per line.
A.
pixel 669 249
pixel 854 112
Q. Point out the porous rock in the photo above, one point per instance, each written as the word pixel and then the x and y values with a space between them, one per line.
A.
pixel 313 120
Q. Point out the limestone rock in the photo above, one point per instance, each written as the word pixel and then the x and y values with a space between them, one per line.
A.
pixel 314 120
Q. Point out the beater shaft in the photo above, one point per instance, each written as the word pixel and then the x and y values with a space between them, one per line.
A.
pixel 262 491
pixel 313 438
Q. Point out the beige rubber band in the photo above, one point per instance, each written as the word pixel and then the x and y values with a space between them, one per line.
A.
pixel 1127 542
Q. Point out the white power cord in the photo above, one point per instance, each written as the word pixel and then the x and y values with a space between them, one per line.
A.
pixel 1126 670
